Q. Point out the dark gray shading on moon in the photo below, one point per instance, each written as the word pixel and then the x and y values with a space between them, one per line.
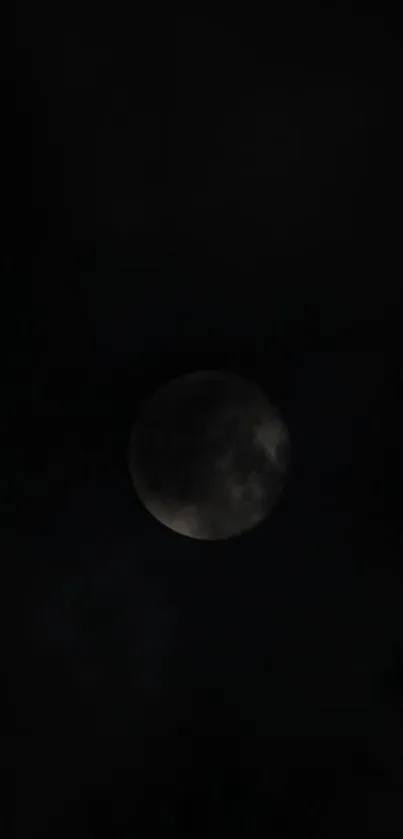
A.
pixel 208 455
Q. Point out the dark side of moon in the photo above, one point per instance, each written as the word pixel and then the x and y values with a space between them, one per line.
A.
pixel 209 455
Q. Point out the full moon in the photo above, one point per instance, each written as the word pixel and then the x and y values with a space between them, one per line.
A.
pixel 208 455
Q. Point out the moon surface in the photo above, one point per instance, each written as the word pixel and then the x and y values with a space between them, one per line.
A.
pixel 208 455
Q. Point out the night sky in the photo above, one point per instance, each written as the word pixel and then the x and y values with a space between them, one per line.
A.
pixel 185 192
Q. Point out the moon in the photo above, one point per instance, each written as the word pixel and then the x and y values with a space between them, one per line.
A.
pixel 208 455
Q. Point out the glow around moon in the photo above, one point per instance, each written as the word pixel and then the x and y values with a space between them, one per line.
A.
pixel 208 455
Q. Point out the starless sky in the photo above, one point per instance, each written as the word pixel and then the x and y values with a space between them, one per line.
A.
pixel 193 192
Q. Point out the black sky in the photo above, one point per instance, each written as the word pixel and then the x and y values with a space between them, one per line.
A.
pixel 180 193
